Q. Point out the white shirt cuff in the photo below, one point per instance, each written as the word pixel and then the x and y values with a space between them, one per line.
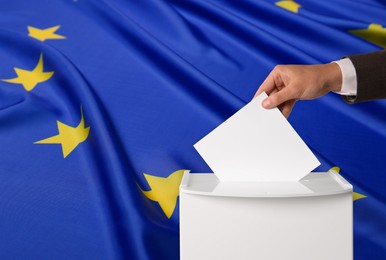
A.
pixel 349 77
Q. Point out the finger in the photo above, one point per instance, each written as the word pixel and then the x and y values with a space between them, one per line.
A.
pixel 275 90
pixel 268 84
pixel 278 98
pixel 287 108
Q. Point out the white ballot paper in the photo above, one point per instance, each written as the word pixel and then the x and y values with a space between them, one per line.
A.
pixel 256 144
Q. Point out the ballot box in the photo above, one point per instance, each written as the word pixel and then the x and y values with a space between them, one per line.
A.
pixel 310 219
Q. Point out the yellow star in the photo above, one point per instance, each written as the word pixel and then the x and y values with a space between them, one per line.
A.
pixel 375 33
pixel 30 78
pixel 44 34
pixel 355 195
pixel 335 168
pixel 291 6
pixel 358 196
pixel 165 191
pixel 69 137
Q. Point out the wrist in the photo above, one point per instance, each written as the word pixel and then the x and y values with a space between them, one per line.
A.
pixel 333 77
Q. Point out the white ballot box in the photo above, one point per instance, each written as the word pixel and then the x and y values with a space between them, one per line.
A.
pixel 310 219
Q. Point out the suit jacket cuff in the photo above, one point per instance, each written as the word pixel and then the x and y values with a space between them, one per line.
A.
pixel 371 76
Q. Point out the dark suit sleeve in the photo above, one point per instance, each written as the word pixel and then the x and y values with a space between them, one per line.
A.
pixel 371 76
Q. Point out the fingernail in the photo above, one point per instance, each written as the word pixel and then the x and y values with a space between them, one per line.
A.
pixel 266 103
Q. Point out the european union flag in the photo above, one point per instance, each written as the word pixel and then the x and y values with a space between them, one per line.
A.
pixel 102 101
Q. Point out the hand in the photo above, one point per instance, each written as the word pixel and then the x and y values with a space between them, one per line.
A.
pixel 288 83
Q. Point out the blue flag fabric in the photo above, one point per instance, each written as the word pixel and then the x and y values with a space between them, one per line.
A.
pixel 101 102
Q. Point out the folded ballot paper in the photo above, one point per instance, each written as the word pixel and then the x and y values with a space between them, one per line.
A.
pixel 256 144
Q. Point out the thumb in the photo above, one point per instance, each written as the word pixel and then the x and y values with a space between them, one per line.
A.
pixel 278 98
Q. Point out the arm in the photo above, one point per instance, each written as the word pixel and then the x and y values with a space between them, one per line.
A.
pixel 288 83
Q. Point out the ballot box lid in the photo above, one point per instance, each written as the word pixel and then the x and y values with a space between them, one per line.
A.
pixel 313 184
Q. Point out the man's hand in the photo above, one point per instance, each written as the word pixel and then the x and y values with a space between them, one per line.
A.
pixel 288 83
